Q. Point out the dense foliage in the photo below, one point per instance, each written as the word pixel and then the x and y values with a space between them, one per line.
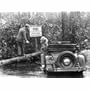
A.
pixel 71 26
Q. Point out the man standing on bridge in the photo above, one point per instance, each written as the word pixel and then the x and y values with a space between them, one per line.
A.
pixel 22 39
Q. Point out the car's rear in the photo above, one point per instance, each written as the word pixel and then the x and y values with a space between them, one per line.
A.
pixel 64 58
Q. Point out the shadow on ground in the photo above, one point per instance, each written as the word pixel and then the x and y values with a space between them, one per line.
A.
pixel 65 75
pixel 21 68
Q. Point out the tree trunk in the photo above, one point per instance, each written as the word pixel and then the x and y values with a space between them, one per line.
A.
pixel 2 62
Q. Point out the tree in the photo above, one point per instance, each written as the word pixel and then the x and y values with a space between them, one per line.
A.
pixel 65 25
pixel 55 26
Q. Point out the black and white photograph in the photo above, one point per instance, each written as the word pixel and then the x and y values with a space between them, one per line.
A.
pixel 45 44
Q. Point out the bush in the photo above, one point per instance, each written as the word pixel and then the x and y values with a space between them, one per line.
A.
pixel 53 29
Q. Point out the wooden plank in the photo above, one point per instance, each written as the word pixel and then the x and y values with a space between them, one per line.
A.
pixel 19 58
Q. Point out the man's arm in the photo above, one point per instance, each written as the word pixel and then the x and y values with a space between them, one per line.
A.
pixel 25 37
pixel 24 34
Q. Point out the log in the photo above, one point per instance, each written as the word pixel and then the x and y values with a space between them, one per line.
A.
pixel 5 61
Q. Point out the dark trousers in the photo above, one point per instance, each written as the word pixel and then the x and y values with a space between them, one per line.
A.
pixel 20 46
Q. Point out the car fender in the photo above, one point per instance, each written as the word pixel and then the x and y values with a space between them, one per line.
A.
pixel 82 60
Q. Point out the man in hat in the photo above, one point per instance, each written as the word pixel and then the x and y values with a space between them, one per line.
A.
pixel 22 39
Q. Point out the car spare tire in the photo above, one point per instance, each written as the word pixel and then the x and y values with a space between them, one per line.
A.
pixel 66 60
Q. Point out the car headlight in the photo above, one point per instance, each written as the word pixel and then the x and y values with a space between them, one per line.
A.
pixel 49 57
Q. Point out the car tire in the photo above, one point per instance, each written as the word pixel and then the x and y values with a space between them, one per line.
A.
pixel 66 54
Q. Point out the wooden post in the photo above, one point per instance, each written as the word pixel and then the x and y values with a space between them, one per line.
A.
pixel 36 44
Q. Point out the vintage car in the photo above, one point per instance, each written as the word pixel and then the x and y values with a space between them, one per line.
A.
pixel 64 57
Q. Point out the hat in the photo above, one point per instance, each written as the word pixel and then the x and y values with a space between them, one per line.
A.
pixel 27 25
